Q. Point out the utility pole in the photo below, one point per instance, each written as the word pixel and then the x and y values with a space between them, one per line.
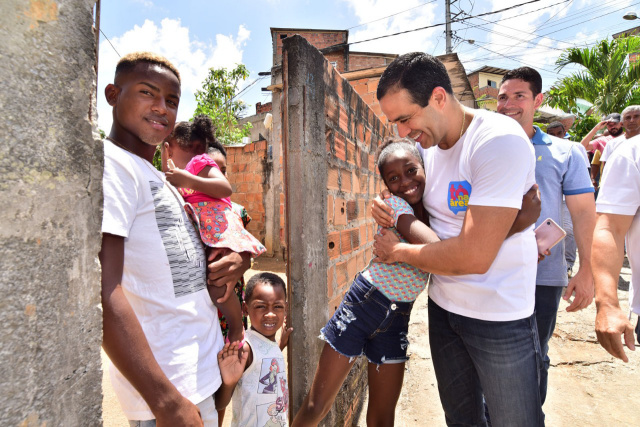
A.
pixel 448 24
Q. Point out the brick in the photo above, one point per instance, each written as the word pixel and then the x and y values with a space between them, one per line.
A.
pixel 345 242
pixel 361 262
pixel 333 179
pixel 360 132
pixel 341 275
pixel 340 147
pixel 352 210
pixel 329 209
pixel 372 85
pixel 354 235
pixel 360 88
pixel 355 181
pixel 368 98
pixel 331 280
pixel 345 181
pixel 331 110
pixel 363 212
pixel 343 120
pixel 340 212
pixel 333 244
pixel 261 145
pixel 363 234
pixel 350 156
pixel 352 267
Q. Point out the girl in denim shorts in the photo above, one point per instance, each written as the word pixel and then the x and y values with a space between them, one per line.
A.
pixel 373 318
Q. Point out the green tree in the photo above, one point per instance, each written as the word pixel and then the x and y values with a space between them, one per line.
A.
pixel 606 79
pixel 217 100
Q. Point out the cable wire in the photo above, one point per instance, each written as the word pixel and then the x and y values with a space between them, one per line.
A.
pixel 389 16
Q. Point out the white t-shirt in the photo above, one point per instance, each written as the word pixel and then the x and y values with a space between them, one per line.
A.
pixel 620 195
pixel 493 164
pixel 611 146
pixel 261 397
pixel 164 279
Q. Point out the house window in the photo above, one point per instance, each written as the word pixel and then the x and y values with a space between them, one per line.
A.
pixel 491 83
pixel 334 63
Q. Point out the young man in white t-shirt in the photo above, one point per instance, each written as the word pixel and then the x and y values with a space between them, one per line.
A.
pixel 160 328
pixel 478 165
pixel 618 209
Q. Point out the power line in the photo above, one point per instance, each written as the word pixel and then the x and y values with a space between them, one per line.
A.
pixel 389 16
pixel 107 38
pixel 444 23
pixel 597 17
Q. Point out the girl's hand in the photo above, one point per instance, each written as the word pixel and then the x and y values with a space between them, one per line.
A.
pixel 285 332
pixel 179 178
pixel 381 212
pixel 232 363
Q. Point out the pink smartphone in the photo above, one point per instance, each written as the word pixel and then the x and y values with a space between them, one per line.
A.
pixel 548 234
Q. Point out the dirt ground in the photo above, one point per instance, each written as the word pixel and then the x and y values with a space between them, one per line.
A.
pixel 587 387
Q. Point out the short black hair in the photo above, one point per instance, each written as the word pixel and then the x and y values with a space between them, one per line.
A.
pixel 418 73
pixel 195 137
pixel 393 144
pixel 554 125
pixel 528 75
pixel 129 62
pixel 270 279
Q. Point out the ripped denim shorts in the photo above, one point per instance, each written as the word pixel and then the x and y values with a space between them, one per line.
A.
pixel 368 323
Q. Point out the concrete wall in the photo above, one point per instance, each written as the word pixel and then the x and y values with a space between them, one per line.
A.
pixel 329 139
pixel 51 168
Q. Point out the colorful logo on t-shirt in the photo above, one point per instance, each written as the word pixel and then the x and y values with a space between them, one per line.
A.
pixel 459 193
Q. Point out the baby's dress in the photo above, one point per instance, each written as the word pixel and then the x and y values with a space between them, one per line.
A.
pixel 219 225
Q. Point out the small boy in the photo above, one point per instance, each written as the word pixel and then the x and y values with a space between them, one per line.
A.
pixel 157 314
pixel 262 393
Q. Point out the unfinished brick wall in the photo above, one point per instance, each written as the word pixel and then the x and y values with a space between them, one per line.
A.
pixel 318 38
pixel 247 172
pixel 329 140
pixel 363 61
pixel 367 88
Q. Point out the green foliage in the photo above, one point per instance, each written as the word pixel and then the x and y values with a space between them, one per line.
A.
pixel 582 126
pixel 157 160
pixel 102 133
pixel 606 79
pixel 216 100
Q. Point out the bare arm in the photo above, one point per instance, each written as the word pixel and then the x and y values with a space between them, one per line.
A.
pixel 232 366
pixel 209 181
pixel 415 231
pixel 127 347
pixel 582 208
pixel 607 256
pixel 471 252
pixel 586 141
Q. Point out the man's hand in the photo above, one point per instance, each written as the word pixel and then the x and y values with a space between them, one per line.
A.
pixel 182 413
pixel 284 333
pixel 179 178
pixel 384 246
pixel 582 285
pixel 226 267
pixel 529 212
pixel 381 212
pixel 610 324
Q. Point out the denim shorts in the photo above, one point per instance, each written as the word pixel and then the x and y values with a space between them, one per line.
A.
pixel 368 323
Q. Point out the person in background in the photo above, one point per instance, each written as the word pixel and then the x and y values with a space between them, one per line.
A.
pixel 561 170
pixel 631 124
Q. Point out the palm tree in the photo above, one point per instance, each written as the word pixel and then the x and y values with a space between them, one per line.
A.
pixel 607 80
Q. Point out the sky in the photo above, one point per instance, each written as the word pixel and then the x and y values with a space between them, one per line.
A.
pixel 199 34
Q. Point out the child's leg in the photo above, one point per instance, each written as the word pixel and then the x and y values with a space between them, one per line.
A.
pixel 230 309
pixel 330 374
pixel 385 385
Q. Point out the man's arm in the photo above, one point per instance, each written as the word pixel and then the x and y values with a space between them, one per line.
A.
pixel 607 256
pixel 586 141
pixel 226 267
pixel 126 345
pixel 471 252
pixel 582 208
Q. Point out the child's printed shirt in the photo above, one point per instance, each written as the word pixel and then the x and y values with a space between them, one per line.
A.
pixel 261 397
pixel 398 281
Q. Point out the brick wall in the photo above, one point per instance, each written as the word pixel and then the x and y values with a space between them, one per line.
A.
pixel 361 62
pixel 319 39
pixel 248 174
pixel 366 88
pixel 263 108
pixel 329 139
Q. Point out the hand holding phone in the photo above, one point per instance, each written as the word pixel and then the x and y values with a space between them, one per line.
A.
pixel 548 234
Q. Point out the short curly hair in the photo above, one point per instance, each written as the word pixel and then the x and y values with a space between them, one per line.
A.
pixel 128 62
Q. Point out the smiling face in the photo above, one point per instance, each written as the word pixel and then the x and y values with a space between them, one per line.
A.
pixel 422 124
pixel 404 176
pixel 145 104
pixel 516 100
pixel 266 308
